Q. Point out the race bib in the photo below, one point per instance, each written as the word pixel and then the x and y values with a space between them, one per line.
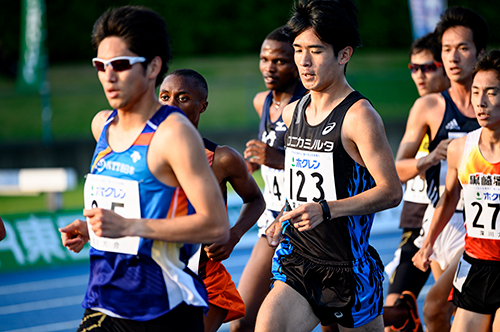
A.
pixel 482 211
pixel 309 177
pixel 463 269
pixel 274 194
pixel 416 188
pixel 120 196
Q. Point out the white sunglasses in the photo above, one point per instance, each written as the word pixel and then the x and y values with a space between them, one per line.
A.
pixel 120 63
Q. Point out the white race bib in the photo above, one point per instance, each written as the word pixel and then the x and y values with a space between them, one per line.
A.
pixel 309 177
pixel 416 188
pixel 482 211
pixel 274 193
pixel 120 196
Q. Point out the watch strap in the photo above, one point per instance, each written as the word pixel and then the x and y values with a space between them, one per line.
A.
pixel 326 209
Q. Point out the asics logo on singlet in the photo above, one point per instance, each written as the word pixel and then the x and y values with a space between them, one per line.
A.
pixel 329 127
pixel 452 125
pixel 114 166
pixel 136 156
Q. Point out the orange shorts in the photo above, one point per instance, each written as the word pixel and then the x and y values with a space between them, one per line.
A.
pixel 222 291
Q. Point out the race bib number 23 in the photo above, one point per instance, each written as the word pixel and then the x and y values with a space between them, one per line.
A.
pixel 309 177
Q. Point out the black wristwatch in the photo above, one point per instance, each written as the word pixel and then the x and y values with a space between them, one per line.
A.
pixel 326 209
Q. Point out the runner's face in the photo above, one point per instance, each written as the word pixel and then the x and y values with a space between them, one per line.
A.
pixel 486 99
pixel 458 53
pixel 428 82
pixel 277 66
pixel 317 64
pixel 182 92
pixel 122 89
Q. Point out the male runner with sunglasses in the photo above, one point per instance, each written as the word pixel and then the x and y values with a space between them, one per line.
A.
pixel 188 90
pixel 444 116
pixel 405 279
pixel 139 279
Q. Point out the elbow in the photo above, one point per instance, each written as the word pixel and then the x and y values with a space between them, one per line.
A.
pixel 395 196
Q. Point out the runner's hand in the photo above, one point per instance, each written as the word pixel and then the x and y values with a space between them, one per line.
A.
pixel 273 233
pixel 421 258
pixel 260 153
pixel 75 235
pixel 440 152
pixel 305 217
pixel 106 223
pixel 219 252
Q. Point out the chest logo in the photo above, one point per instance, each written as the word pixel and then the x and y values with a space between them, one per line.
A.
pixel 452 125
pixel 280 126
pixel 329 127
pixel 136 156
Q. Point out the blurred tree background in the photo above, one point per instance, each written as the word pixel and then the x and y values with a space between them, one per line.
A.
pixel 220 39
pixel 201 27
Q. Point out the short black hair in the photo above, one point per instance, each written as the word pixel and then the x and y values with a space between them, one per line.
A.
pixel 334 21
pixel 201 83
pixel 490 61
pixel 461 16
pixel 429 43
pixel 143 30
pixel 279 35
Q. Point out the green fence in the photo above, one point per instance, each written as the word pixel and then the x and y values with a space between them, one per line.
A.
pixel 33 241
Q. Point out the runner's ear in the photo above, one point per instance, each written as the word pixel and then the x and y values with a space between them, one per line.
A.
pixel 344 55
pixel 154 67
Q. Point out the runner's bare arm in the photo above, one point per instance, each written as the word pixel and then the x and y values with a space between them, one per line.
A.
pixel 258 104
pixel 98 123
pixel 230 166
pixel 445 206
pixel 183 164
pixel 425 114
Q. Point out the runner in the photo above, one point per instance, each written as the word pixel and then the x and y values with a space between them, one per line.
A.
pixel 428 74
pixel 138 224
pixel 282 79
pixel 474 166
pixel 447 115
pixel 324 269
pixel 188 90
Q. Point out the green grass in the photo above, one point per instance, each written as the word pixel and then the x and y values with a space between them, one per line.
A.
pixel 76 96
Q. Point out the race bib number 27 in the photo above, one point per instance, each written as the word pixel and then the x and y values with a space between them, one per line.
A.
pixel 482 211
pixel 120 196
